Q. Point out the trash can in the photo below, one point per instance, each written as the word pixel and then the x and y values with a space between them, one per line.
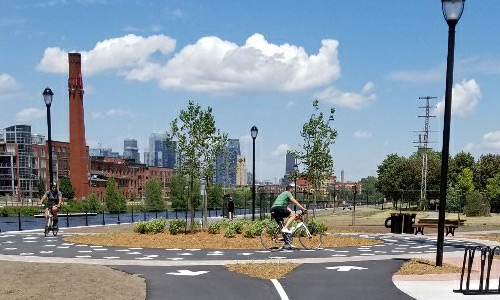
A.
pixel 396 222
pixel 408 221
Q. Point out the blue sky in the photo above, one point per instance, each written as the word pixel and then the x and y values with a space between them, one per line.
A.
pixel 256 63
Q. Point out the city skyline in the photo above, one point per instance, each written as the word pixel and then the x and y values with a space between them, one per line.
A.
pixel 255 64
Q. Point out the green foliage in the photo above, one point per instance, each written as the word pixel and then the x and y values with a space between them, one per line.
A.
pixel 370 189
pixel 453 199
pixel 141 227
pixel 92 203
pixel 115 201
pixel 178 191
pixel 493 188
pixel 215 227
pixel 488 166
pixel 476 205
pixel 156 225
pixel 25 211
pixel 316 226
pixel 215 195
pixel 465 181
pixel 253 229
pixel 315 153
pixel 230 231
pixel 154 199
pixel 67 190
pixel 177 226
pixel 461 161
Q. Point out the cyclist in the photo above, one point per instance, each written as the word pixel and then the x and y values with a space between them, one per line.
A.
pixel 281 210
pixel 54 197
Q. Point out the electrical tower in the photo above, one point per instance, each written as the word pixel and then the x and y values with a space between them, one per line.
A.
pixel 423 143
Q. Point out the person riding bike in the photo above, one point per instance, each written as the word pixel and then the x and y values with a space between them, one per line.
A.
pixel 281 210
pixel 54 197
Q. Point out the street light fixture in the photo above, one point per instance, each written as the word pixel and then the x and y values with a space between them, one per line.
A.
pixel 253 131
pixel 47 98
pixel 452 11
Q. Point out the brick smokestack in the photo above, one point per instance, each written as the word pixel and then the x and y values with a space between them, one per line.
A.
pixel 78 165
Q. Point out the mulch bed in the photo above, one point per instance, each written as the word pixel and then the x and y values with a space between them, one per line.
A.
pixel 263 270
pixel 425 267
pixel 199 240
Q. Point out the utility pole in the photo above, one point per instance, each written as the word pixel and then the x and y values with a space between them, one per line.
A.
pixel 423 144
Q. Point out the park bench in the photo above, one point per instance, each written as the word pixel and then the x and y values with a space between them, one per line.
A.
pixel 449 225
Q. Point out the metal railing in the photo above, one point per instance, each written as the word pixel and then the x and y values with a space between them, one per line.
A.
pixel 487 255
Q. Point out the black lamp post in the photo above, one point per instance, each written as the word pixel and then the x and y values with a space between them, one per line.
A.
pixel 296 170
pixel 254 131
pixel 47 97
pixel 452 11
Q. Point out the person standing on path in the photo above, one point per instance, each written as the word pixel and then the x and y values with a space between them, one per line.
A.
pixel 230 208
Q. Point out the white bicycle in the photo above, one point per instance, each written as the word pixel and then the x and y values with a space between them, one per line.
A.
pixel 273 239
pixel 49 223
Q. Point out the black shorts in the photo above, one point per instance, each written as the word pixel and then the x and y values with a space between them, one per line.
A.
pixel 280 213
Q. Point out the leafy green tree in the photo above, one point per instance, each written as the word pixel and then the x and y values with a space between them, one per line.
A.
pixel 488 166
pixel 391 176
pixel 178 192
pixel 92 203
pixel 459 162
pixel 194 129
pixel 115 201
pixel 493 190
pixel 476 205
pixel 466 181
pixel 66 189
pixel 215 196
pixel 453 198
pixel 318 136
pixel 154 196
pixel 370 188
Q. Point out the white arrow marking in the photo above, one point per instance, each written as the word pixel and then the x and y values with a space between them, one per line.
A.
pixel 187 273
pixel 345 268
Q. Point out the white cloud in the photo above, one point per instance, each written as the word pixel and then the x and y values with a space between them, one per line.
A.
pixel 465 97
pixel 152 28
pixel 8 85
pixel 281 150
pixel 491 140
pixel 211 65
pixel 352 100
pixel 98 115
pixel 362 134
pixel 118 55
pixel 30 114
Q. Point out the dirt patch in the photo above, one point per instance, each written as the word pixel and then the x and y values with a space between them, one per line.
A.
pixel 201 240
pixel 263 270
pixel 425 267
pixel 20 280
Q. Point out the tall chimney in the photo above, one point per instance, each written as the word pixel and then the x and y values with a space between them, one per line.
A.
pixel 78 149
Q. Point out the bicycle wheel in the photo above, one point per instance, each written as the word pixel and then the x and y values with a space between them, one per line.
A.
pixel 310 241
pixel 271 238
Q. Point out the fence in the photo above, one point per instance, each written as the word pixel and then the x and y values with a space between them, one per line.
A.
pixel 487 256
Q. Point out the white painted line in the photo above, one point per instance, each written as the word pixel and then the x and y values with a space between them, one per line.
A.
pixel 134 253
pixel 184 254
pixel 143 258
pixel 30 238
pixel 175 258
pixel 30 241
pixel 111 257
pixel 95 246
pixel 339 255
pixel 173 249
pixel 280 289
pixel 193 249
pixel 367 254
pixel 9 248
pixel 8 242
pixel 25 254
pixel 345 268
pixel 278 257
pixel 83 256
pixel 100 249
pixel 85 251
pixel 122 250
pixel 188 273
pixel 81 246
pixel 49 245
pixel 136 248
pixel 46 252
pixel 63 247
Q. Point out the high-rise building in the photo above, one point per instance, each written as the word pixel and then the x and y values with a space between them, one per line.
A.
pixel 161 153
pixel 226 163
pixel 241 171
pixel 147 157
pixel 130 151
pixel 289 164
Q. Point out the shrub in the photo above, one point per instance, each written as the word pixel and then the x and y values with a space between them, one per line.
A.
pixel 176 226
pixel 476 205
pixel 316 226
pixel 214 227
pixel 156 225
pixel 253 229
pixel 230 231
pixel 239 225
pixel 141 227
pixel 92 203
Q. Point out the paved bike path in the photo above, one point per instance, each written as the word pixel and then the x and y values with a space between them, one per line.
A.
pixel 358 280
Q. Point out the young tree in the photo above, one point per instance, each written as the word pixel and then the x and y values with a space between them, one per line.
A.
pixel 315 153
pixel 391 176
pixel 154 197
pixel 178 192
pixel 488 166
pixel 466 181
pixel 41 188
pixel 198 142
pixel 66 189
pixel 115 201
pixel 215 196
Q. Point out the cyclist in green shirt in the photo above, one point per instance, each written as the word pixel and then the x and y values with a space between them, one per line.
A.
pixel 281 209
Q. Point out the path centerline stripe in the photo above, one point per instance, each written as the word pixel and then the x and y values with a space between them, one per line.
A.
pixel 280 289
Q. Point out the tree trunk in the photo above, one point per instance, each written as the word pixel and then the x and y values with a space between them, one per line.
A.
pixel 192 205
pixel 314 201
pixel 205 204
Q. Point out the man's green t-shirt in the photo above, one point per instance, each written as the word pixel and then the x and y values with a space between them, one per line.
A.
pixel 283 199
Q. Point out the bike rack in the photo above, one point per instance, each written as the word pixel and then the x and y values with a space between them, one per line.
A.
pixel 487 255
